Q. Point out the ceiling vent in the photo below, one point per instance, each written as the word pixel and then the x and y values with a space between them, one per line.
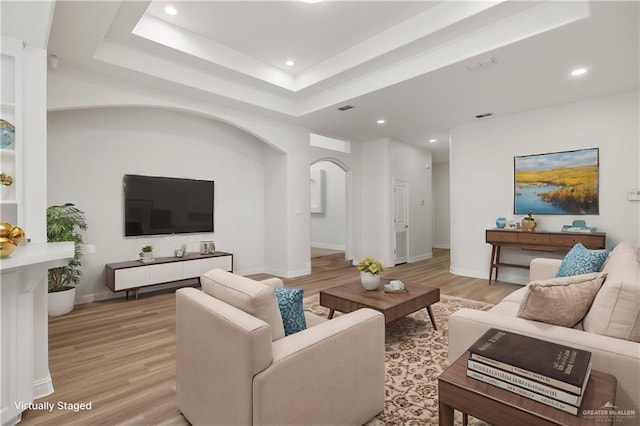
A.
pixel 481 64
pixel 486 114
pixel 345 107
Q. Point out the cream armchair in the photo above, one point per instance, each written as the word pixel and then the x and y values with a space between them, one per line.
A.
pixel 236 367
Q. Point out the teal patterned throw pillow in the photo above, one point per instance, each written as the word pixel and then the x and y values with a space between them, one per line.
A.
pixel 580 260
pixel 290 303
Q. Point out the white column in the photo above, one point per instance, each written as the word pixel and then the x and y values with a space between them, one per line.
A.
pixel 24 363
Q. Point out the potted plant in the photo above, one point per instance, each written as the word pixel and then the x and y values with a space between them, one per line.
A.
pixel 370 270
pixel 65 223
pixel 146 254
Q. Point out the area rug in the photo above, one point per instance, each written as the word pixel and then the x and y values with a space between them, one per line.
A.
pixel 415 355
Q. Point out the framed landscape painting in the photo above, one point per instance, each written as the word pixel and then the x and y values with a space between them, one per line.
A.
pixel 557 183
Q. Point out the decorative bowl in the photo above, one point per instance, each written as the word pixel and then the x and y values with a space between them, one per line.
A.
pixel 6 247
pixel 10 237
pixel 7 134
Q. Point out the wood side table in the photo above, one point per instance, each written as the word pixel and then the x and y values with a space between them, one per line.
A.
pixel 497 406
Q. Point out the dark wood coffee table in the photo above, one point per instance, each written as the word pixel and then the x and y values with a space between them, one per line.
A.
pixel 500 407
pixel 352 296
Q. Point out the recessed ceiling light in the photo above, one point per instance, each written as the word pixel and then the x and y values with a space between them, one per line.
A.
pixel 381 121
pixel 290 63
pixel 170 10
pixel 578 71
pixel 311 1
pixel 432 140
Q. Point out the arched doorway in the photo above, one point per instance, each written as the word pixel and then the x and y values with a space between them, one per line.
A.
pixel 330 224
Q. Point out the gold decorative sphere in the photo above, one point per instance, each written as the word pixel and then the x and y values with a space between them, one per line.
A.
pixel 10 237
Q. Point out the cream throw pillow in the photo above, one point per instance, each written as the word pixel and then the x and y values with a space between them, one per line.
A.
pixel 561 301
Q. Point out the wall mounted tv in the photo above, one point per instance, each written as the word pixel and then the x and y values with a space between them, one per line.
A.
pixel 164 205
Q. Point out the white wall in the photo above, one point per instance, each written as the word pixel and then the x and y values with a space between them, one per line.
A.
pixel 481 162
pixel 91 150
pixel 328 229
pixel 376 201
pixel 413 164
pixel 441 200
pixel 381 162
pixel 286 183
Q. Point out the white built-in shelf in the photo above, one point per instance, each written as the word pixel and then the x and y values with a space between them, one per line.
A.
pixel 28 254
pixel 8 110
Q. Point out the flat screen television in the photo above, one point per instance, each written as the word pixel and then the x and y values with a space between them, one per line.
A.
pixel 165 205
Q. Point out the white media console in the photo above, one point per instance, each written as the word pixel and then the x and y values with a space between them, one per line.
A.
pixel 133 275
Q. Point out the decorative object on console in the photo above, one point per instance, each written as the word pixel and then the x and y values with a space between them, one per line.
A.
pixel 207 247
pixel 557 183
pixel 501 222
pixel 529 223
pixel 578 226
pixel 146 254
pixel 10 237
pixel 580 260
pixel 7 134
pixel 5 179
pixel 370 270
pixel 65 223
pixel 290 301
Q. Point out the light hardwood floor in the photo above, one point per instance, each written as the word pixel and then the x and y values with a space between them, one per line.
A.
pixel 120 355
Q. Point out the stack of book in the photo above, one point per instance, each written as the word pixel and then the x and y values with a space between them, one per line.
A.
pixel 550 373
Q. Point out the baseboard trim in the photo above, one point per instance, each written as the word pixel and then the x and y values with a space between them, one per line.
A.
pixel 505 277
pixel 421 257
pixel 328 246
pixel 442 246
pixel 42 387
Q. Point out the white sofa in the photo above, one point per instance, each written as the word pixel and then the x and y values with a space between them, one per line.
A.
pixel 235 366
pixel 612 324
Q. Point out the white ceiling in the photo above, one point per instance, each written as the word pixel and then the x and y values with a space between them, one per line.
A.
pixel 401 61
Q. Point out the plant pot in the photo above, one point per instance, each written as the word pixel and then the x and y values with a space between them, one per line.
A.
pixel 61 302
pixel 369 280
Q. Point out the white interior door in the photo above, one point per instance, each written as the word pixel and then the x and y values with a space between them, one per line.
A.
pixel 400 221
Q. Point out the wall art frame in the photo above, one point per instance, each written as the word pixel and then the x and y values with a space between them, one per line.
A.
pixel 558 183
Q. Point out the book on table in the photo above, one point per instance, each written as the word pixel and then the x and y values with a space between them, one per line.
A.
pixel 526 383
pixel 569 408
pixel 552 364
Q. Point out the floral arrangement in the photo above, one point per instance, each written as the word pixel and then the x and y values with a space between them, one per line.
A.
pixel 369 264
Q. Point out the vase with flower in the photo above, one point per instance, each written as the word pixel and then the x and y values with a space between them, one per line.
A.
pixel 370 270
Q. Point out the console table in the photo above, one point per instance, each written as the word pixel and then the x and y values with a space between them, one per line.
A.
pixel 537 241
pixel 133 275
